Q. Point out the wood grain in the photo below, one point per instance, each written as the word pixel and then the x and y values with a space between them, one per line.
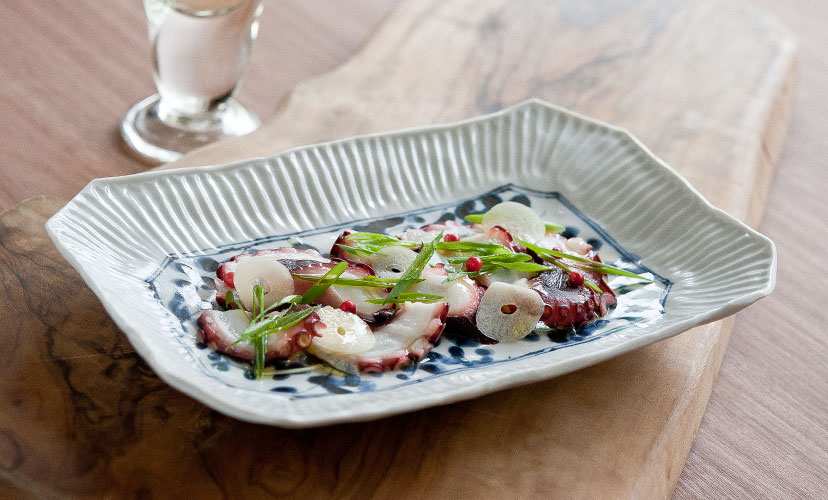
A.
pixel 104 426
pixel 88 419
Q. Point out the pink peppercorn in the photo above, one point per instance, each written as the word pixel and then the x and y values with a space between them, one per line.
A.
pixel 474 264
pixel 348 306
pixel 576 278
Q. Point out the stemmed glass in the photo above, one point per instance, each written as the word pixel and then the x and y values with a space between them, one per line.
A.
pixel 200 51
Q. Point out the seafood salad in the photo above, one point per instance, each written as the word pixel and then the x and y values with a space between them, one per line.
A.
pixel 380 302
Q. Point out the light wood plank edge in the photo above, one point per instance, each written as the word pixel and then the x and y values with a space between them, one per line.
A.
pixel 682 429
pixel 777 117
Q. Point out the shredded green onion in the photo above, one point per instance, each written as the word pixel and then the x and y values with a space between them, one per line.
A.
pixel 412 274
pixel 318 288
pixel 408 297
pixel 550 227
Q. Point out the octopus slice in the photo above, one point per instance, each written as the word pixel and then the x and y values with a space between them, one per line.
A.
pixel 566 305
pixel 499 235
pixel 399 343
pixel 290 257
pixel 574 245
pixel 427 233
pixel 311 263
pixel 462 294
pixel 463 297
pixel 337 252
pixel 335 295
pixel 219 329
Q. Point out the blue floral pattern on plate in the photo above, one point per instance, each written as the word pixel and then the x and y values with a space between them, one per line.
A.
pixel 184 285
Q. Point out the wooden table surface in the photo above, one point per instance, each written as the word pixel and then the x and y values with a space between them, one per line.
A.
pixel 765 433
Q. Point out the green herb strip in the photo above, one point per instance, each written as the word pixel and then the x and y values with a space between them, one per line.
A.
pixel 230 299
pixel 275 324
pixel 374 238
pixel 318 288
pixel 554 228
pixel 412 273
pixel 368 281
pixel 453 275
pixel 290 371
pixel 478 248
pixel 550 227
pixel 290 299
pixel 499 256
pixel 259 343
pixel 526 267
pixel 587 264
pixel 365 243
pixel 408 297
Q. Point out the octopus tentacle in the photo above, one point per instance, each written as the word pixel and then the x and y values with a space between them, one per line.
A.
pixel 566 305
pixel 219 329
pixel 401 342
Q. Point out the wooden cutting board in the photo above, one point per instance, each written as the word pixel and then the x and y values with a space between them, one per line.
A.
pixel 705 84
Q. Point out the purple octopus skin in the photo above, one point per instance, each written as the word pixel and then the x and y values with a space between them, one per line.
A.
pixel 290 257
pixel 566 305
pixel 216 331
pixel 338 253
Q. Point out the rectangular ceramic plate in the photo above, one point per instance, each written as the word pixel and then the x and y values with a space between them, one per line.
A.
pixel 148 246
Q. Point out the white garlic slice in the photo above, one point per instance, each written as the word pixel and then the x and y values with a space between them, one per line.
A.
pixel 508 312
pixel 392 261
pixel 264 270
pixel 519 220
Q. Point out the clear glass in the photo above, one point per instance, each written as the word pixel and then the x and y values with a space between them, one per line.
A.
pixel 200 51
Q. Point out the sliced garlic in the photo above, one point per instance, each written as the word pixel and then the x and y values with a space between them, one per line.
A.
pixel 519 220
pixel 264 270
pixel 508 312
pixel 392 261
pixel 341 333
pixel 232 322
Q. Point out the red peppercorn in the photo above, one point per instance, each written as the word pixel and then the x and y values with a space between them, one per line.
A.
pixel 474 264
pixel 348 306
pixel 576 278
pixel 451 237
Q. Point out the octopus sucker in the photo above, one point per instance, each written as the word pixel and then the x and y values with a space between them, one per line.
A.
pixel 570 305
pixel 219 329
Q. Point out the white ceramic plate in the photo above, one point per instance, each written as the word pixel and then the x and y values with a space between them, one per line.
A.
pixel 148 245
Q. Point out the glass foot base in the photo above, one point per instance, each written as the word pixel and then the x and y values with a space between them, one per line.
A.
pixel 167 140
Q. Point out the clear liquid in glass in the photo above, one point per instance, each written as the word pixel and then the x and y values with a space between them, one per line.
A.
pixel 200 51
